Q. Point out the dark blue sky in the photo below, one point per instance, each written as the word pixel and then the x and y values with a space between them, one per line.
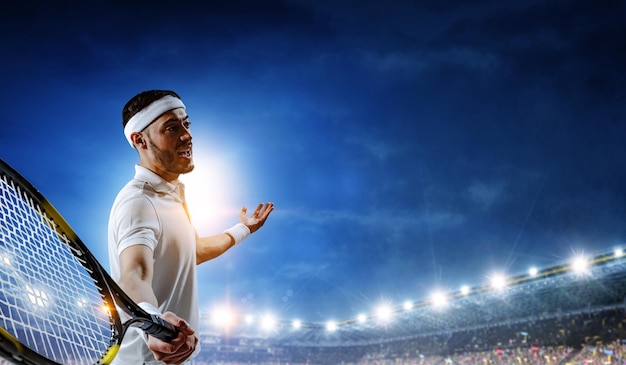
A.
pixel 407 145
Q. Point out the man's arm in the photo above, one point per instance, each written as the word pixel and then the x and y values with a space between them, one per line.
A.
pixel 208 248
pixel 136 271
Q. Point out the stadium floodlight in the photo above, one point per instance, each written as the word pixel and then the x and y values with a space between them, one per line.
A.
pixel 331 326
pixel 580 265
pixel 465 290
pixel 268 322
pixel 408 305
pixel 222 317
pixel 249 319
pixel 498 281
pixel 296 324
pixel 439 299
pixel 383 312
pixel 618 252
pixel 533 271
pixel 361 318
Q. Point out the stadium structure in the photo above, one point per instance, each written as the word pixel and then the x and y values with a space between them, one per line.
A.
pixel 571 292
pixel 562 314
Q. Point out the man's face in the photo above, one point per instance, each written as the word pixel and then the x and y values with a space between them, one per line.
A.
pixel 169 144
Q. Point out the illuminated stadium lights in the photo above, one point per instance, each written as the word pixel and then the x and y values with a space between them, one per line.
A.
pixel 222 317
pixel 439 299
pixel 296 324
pixel 580 265
pixel 331 326
pixel 525 295
pixel 249 319
pixel 601 263
pixel 268 322
pixel 498 281
pixel 383 312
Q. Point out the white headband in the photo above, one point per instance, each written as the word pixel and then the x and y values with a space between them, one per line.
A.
pixel 147 115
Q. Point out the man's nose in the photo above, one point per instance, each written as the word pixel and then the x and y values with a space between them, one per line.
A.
pixel 186 135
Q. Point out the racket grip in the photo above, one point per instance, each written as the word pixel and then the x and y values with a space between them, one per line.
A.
pixel 159 328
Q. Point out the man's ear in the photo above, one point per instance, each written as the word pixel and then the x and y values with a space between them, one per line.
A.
pixel 138 140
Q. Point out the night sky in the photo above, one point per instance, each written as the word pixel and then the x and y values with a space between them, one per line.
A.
pixel 407 145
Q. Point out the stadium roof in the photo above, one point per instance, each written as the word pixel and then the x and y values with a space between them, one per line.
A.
pixel 553 292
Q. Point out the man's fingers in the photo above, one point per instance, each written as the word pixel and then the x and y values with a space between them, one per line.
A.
pixel 183 327
pixel 267 209
pixel 261 212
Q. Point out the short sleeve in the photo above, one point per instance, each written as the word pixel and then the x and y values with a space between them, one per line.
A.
pixel 136 223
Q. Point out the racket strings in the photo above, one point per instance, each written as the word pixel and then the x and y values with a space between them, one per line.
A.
pixel 48 300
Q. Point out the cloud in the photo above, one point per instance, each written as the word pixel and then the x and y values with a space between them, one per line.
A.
pixel 385 219
pixel 485 194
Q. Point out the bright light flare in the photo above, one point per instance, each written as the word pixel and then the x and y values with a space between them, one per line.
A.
pixel 533 271
pixel 439 299
pixel 498 281
pixel 361 318
pixel 223 317
pixel 296 324
pixel 618 252
pixel 268 322
pixel 465 290
pixel 249 319
pixel 580 265
pixel 384 312
pixel 211 188
pixel 105 309
pixel 331 326
pixel 407 305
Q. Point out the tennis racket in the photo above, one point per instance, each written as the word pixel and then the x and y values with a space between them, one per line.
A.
pixel 58 305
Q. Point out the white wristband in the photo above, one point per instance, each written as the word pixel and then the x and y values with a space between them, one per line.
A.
pixel 238 232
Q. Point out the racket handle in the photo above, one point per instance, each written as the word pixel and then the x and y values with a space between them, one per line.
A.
pixel 159 328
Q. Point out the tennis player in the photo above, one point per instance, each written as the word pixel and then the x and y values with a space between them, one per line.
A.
pixel 153 247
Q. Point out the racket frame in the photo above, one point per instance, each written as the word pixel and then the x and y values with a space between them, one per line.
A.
pixel 113 296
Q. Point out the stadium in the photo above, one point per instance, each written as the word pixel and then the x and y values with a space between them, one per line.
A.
pixel 568 313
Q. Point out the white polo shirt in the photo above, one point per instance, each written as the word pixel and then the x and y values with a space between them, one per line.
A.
pixel 149 211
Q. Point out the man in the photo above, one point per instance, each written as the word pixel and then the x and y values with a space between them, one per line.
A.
pixel 153 247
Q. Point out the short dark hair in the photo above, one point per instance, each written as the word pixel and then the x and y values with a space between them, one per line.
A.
pixel 142 100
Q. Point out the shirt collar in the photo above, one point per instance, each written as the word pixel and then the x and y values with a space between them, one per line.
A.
pixel 157 182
